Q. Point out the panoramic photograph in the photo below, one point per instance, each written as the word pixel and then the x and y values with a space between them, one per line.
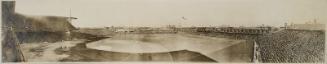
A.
pixel 163 31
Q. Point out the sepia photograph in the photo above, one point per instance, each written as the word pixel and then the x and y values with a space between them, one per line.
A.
pixel 163 31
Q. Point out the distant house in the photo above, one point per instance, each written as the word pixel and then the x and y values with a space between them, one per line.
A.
pixel 124 30
pixel 310 25
pixel 307 26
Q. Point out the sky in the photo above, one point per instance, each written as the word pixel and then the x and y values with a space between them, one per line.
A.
pixel 102 13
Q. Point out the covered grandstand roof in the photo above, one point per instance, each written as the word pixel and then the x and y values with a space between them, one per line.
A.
pixel 24 23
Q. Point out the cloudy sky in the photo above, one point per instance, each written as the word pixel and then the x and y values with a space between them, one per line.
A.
pixel 101 13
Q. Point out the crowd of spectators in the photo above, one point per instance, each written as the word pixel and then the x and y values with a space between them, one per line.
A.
pixel 294 46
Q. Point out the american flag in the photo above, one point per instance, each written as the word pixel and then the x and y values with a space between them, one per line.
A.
pixel 184 18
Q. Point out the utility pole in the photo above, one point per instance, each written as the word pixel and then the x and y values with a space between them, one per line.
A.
pixel 70 15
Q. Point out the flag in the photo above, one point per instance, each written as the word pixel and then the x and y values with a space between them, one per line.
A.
pixel 184 18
